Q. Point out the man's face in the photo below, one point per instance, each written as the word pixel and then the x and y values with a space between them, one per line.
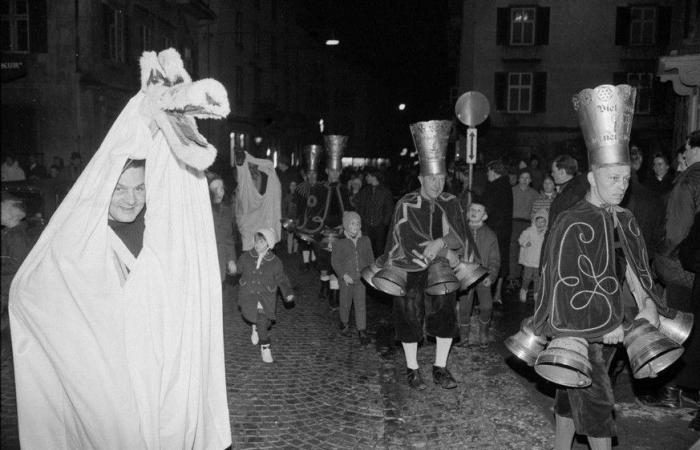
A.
pixel 333 175
pixel 129 196
pixel 11 213
pixel 216 187
pixel 476 214
pixel 353 227
pixel 431 185
pixel 491 175
pixel 558 174
pixel 608 184
pixel 524 180
pixel 371 179
pixel 660 167
pixel 312 177
pixel 691 154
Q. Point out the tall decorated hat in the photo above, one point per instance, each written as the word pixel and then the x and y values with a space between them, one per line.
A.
pixel 335 146
pixel 605 115
pixel 312 156
pixel 431 139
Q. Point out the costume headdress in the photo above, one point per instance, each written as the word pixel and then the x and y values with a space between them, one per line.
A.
pixel 312 156
pixel 335 146
pixel 430 139
pixel 605 115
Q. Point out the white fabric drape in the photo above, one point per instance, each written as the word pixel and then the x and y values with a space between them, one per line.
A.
pixel 138 366
pixel 253 210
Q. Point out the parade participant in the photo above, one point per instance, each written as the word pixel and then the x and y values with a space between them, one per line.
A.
pixel 426 224
pixel 349 256
pixel 312 156
pixel 258 198
pixel 261 274
pixel 487 255
pixel 116 324
pixel 592 249
pixel 323 215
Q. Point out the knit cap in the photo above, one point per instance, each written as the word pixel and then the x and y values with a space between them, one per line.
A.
pixel 269 235
pixel 348 217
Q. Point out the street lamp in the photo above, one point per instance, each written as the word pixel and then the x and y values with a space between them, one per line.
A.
pixel 332 41
pixel 402 106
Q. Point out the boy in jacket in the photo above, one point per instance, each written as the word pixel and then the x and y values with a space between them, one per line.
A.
pixel 349 256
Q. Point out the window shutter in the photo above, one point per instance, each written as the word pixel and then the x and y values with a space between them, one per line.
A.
pixel 619 78
pixel 539 92
pixel 622 26
pixel 38 39
pixel 663 25
pixel 500 90
pixel 503 26
pixel 542 26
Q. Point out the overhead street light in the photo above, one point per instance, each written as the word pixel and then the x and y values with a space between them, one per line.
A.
pixel 332 42
pixel 402 106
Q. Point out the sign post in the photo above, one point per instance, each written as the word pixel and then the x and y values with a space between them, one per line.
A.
pixel 472 108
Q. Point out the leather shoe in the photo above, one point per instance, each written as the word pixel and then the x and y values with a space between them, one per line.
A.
pixel 443 378
pixel 666 397
pixel 415 380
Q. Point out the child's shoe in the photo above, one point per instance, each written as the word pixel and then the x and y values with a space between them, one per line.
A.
pixel 254 336
pixel 523 295
pixel 364 339
pixel 344 329
pixel 266 353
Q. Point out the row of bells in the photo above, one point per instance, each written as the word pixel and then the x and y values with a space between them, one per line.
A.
pixel 565 359
pixel 441 280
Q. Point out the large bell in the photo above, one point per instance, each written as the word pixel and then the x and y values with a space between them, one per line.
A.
pixel 678 328
pixel 525 344
pixel 369 272
pixel 470 273
pixel 441 279
pixel 565 362
pixel 649 351
pixel 391 280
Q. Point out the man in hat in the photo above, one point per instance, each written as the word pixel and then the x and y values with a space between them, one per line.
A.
pixel 322 213
pixel 596 282
pixel 428 225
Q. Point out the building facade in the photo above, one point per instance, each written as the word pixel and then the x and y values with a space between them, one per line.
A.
pixel 68 68
pixel 530 59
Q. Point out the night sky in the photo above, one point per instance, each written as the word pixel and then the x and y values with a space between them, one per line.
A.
pixel 403 45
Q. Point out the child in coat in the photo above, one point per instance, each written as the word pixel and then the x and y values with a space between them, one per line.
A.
pixel 531 240
pixel 261 274
pixel 349 256
pixel 489 257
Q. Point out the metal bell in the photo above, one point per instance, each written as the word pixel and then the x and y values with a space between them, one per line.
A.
pixel 288 224
pixel 470 273
pixel 369 272
pixel 525 344
pixel 678 328
pixel 565 362
pixel 441 279
pixel 649 351
pixel 391 280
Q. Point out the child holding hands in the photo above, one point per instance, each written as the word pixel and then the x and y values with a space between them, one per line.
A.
pixel 349 256
pixel 531 241
pixel 261 274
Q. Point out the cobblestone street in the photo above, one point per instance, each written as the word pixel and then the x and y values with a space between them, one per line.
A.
pixel 326 391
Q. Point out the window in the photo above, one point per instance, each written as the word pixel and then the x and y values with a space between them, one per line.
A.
pixel 644 83
pixel 522 22
pixel 114 34
pixel 146 37
pixel 239 29
pixel 642 25
pixel 522 26
pixel 519 92
pixel 239 84
pixel 15 26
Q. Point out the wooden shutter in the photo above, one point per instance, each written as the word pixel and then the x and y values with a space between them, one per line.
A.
pixel 500 91
pixel 622 26
pixel 503 26
pixel 542 26
pixel 539 92
pixel 663 25
pixel 38 39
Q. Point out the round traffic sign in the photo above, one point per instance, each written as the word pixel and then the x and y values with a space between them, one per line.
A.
pixel 472 108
